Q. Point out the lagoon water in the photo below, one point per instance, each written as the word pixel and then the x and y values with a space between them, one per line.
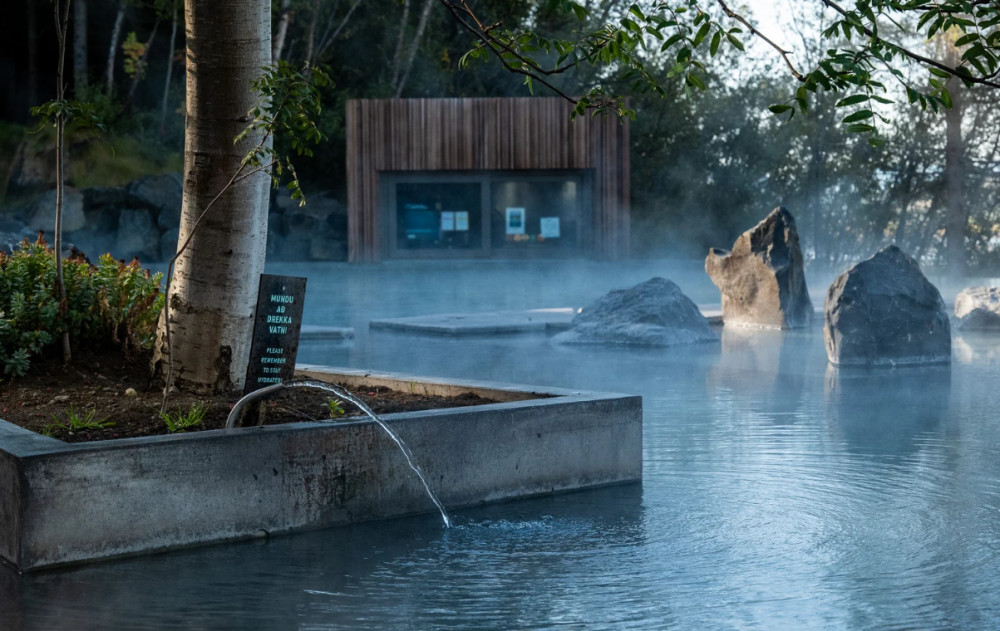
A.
pixel 778 493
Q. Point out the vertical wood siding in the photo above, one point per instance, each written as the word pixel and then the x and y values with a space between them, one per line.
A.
pixel 492 134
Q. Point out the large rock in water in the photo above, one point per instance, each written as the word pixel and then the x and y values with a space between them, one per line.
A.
pixel 883 311
pixel 653 313
pixel 762 279
pixel 978 308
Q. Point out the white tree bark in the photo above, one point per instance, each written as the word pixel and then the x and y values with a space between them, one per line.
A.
pixel 279 37
pixel 213 293
pixel 109 67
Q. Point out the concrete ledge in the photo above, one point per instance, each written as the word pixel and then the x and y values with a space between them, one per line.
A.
pixel 316 332
pixel 489 323
pixel 64 503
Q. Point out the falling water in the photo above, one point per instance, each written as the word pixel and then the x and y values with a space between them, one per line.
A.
pixel 340 392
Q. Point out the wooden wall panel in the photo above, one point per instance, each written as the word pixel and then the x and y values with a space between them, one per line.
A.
pixel 495 134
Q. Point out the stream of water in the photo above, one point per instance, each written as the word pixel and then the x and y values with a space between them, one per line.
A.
pixel 235 414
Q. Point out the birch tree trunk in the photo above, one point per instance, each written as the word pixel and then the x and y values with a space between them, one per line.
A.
pixel 116 30
pixel 414 46
pixel 956 211
pixel 170 72
pixel 213 293
pixel 279 37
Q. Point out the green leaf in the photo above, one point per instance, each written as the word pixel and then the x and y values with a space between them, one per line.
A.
pixel 860 128
pixel 946 99
pixel 966 39
pixel 696 81
pixel 713 47
pixel 860 115
pixel 779 109
pixel 702 34
pixel 854 99
pixel 735 42
pixel 673 39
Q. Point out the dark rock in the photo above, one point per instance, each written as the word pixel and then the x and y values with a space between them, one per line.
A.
pixel 42 215
pixel 653 313
pixel 98 197
pixel 883 311
pixel 762 279
pixel 92 242
pixel 103 219
pixel 978 308
pixel 137 236
pixel 158 193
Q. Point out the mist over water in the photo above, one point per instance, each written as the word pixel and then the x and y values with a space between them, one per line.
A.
pixel 778 493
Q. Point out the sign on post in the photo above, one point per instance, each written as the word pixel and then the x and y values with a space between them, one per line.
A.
pixel 277 322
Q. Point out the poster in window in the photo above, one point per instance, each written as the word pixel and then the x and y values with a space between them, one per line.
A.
pixel 515 221
pixel 462 220
pixel 549 227
pixel 447 221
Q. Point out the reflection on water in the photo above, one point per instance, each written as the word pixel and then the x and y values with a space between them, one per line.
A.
pixel 777 494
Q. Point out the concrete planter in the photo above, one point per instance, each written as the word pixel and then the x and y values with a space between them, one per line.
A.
pixel 64 503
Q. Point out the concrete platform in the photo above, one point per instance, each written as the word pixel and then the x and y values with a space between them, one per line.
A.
pixel 501 322
pixel 489 323
pixel 315 332
pixel 63 503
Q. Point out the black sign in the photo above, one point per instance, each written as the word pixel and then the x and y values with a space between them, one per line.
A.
pixel 276 326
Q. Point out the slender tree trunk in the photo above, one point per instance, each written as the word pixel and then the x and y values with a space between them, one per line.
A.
pixel 62 25
pixel 32 52
pixel 214 290
pixel 116 31
pixel 279 38
pixel 397 57
pixel 414 46
pixel 956 211
pixel 311 35
pixel 142 62
pixel 170 72
pixel 79 48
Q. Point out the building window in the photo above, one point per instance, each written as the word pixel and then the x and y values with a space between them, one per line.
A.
pixel 486 214
pixel 535 213
pixel 438 215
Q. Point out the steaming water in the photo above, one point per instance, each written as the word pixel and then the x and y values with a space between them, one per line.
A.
pixel 777 494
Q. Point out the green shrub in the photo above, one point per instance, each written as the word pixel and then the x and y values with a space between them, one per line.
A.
pixel 108 302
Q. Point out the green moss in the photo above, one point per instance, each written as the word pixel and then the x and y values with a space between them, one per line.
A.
pixel 120 160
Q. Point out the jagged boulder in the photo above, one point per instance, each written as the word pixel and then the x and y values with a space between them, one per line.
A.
pixel 883 311
pixel 978 308
pixel 653 313
pixel 762 279
pixel 42 215
pixel 137 236
pixel 161 194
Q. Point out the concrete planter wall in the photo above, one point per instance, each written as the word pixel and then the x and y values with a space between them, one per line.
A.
pixel 66 503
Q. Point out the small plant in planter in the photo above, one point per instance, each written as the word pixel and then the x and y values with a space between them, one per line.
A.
pixel 75 422
pixel 335 407
pixel 181 422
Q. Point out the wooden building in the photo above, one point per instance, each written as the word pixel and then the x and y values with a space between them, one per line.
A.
pixel 489 177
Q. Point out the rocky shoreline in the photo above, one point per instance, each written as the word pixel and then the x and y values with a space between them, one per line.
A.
pixel 141 219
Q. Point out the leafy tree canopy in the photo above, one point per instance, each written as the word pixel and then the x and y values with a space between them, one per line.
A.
pixel 872 46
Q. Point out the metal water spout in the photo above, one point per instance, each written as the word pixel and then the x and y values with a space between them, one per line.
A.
pixel 237 410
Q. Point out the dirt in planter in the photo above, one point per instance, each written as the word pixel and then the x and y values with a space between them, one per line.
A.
pixel 109 388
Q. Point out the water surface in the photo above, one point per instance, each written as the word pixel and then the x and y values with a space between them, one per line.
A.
pixel 778 493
